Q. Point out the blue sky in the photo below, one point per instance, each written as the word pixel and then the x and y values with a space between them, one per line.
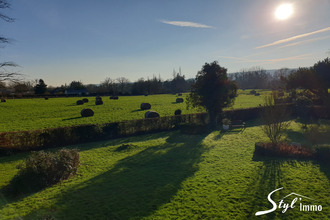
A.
pixel 61 41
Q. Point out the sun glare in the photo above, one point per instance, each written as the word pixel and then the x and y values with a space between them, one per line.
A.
pixel 284 11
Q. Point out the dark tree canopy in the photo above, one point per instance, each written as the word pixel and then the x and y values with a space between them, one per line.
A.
pixel 77 85
pixel 40 88
pixel 212 90
pixel 316 79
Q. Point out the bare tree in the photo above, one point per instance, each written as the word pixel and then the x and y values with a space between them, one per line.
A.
pixel 274 116
pixel 123 82
pixel 5 74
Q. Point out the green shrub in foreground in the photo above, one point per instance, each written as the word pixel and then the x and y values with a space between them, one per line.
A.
pixel 44 169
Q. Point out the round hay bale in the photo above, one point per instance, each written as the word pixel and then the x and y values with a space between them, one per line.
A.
pixel 46 98
pixel 80 102
pixel 99 102
pixel 145 106
pixel 87 112
pixel 3 100
pixel 85 100
pixel 180 94
pixel 146 95
pixel 114 97
pixel 177 112
pixel 151 114
pixel 98 98
pixel 179 100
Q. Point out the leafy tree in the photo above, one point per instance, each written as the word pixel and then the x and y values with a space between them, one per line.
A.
pixel 212 91
pixel 322 70
pixel 40 88
pixel 76 85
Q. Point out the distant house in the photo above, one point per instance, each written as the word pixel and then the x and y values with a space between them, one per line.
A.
pixel 76 92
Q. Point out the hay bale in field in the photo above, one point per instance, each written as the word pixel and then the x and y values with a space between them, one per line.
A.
pixel 151 114
pixel 3 100
pixel 177 112
pixel 80 102
pixel 257 94
pixel 180 94
pixel 99 102
pixel 87 112
pixel 179 100
pixel 114 97
pixel 146 95
pixel 98 98
pixel 145 106
pixel 46 98
pixel 85 100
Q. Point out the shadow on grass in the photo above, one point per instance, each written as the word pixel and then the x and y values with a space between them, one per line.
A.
pixel 137 185
pixel 67 119
pixel 138 110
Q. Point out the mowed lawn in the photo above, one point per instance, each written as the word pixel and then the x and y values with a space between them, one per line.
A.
pixel 32 114
pixel 170 175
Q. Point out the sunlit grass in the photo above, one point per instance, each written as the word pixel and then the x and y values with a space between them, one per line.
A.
pixel 170 175
pixel 32 114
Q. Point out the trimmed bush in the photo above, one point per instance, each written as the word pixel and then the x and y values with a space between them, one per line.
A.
pixel 323 152
pixel 282 150
pixel 99 102
pixel 145 106
pixel 85 100
pixel 3 100
pixel 87 112
pixel 80 102
pixel 178 112
pixel 179 100
pixel 42 169
pixel 151 114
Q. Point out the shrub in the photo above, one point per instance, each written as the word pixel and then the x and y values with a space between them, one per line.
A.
pixel 317 134
pixel 145 106
pixel 85 100
pixel 80 102
pixel 322 152
pixel 178 112
pixel 87 112
pixel 282 150
pixel 151 114
pixel 42 169
pixel 179 100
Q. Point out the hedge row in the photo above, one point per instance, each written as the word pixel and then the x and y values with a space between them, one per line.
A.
pixel 36 139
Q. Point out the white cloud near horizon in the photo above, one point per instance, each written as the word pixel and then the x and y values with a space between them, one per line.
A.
pixel 244 60
pixel 186 24
pixel 293 38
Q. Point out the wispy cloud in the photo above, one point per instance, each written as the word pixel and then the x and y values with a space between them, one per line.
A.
pixel 186 24
pixel 293 38
pixel 244 60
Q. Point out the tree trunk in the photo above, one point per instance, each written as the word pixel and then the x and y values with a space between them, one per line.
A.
pixel 213 120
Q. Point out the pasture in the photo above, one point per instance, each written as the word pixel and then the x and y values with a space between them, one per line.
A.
pixel 38 113
pixel 170 175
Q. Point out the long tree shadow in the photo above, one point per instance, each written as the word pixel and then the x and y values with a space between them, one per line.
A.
pixel 137 185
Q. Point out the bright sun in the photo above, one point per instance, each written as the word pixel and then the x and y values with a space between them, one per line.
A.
pixel 284 11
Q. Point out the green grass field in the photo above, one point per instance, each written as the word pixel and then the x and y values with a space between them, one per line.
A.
pixel 171 175
pixel 32 114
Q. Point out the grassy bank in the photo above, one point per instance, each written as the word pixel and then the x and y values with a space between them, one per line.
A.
pixel 171 175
